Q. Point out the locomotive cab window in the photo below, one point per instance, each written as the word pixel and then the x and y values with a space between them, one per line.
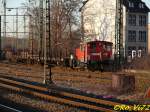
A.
pixel 109 47
pixel 93 46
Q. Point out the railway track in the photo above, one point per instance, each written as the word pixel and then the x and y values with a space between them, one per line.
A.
pixel 5 108
pixel 7 105
pixel 61 95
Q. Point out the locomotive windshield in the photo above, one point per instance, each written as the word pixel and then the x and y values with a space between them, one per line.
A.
pixel 109 47
pixel 93 45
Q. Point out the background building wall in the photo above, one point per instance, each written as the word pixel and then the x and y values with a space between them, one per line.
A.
pixel 149 38
pixel 137 28
pixel 99 20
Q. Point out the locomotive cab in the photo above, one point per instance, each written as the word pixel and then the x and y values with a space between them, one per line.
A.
pixel 96 54
pixel 99 54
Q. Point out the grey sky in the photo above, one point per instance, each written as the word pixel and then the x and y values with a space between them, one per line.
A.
pixel 16 3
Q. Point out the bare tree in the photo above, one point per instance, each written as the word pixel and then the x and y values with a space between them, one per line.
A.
pixel 35 36
pixel 63 20
pixel 107 14
pixel 64 13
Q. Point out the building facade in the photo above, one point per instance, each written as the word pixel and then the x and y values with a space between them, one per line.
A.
pixel 99 24
pixel 97 20
pixel 136 28
pixel 149 39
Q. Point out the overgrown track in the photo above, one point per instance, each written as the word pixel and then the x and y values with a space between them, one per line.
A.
pixel 7 105
pixel 61 95
pixel 5 108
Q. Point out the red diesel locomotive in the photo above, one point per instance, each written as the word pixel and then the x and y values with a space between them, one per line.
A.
pixel 96 54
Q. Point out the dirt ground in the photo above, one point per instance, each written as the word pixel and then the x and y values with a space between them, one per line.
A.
pixel 87 81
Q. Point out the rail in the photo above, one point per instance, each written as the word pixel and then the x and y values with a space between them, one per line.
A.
pixel 53 93
pixel 8 109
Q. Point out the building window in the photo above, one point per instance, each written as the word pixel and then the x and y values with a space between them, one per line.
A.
pixel 132 20
pixel 142 36
pixel 142 20
pixel 93 45
pixel 130 49
pixel 131 36
pixel 131 4
pixel 141 5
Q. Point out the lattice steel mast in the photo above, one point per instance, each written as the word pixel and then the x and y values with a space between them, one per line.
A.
pixel 119 34
pixel 4 26
pixel 31 26
pixel 41 31
pixel 0 40
pixel 48 40
pixel 17 47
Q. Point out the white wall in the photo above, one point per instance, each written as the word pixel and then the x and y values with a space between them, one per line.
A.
pixel 149 39
pixel 99 20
